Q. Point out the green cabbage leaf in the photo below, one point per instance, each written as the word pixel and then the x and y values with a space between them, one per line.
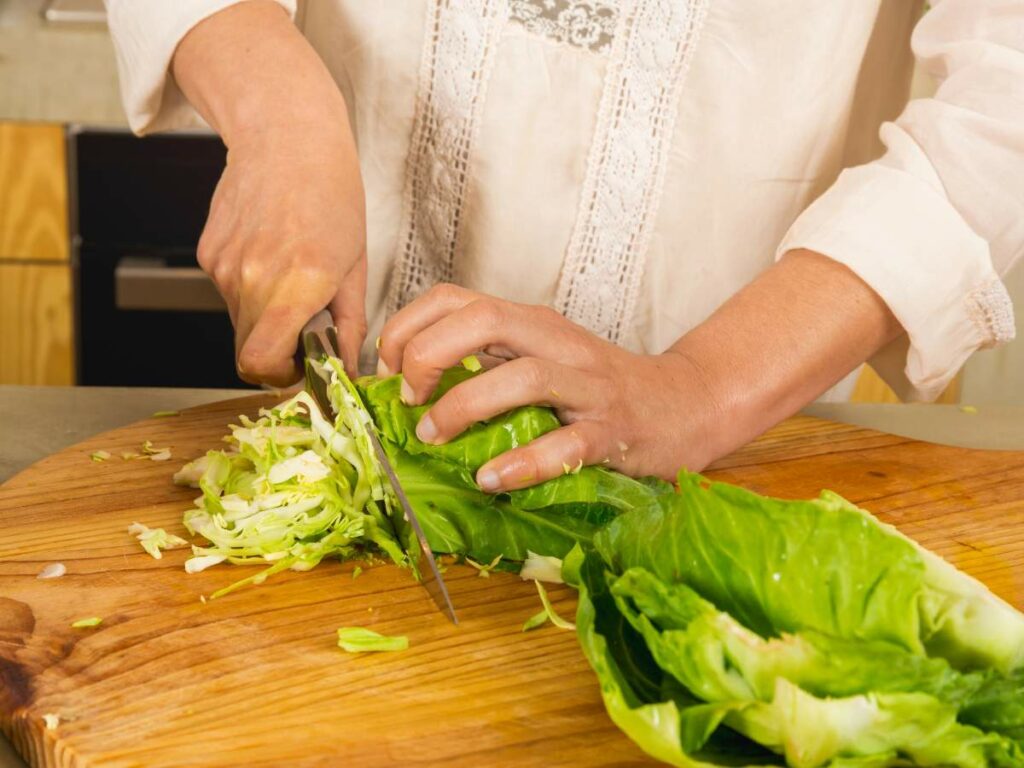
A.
pixel 801 633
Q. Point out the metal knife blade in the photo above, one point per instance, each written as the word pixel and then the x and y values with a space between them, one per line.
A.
pixel 319 338
pixel 315 346
pixel 431 576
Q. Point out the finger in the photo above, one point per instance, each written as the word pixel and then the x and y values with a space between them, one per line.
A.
pixel 523 381
pixel 267 354
pixel 526 331
pixel 218 260
pixel 216 232
pixel 441 300
pixel 224 276
pixel 550 455
pixel 348 310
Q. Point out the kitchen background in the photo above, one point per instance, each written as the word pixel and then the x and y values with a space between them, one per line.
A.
pixel 98 278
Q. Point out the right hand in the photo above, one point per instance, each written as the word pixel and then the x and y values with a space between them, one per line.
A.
pixel 286 235
pixel 285 238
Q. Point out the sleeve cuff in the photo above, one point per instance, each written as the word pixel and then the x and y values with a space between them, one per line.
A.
pixel 899 233
pixel 146 34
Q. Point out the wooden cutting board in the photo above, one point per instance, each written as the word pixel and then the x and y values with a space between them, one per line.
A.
pixel 255 678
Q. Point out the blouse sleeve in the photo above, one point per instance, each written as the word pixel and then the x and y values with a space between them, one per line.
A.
pixel 146 34
pixel 933 224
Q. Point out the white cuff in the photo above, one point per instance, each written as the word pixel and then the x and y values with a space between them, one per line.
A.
pixel 146 34
pixel 900 234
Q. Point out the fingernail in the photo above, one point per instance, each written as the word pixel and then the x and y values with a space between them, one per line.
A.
pixel 425 430
pixel 382 369
pixel 406 393
pixel 488 480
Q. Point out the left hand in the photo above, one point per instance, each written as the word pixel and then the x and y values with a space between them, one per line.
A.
pixel 639 414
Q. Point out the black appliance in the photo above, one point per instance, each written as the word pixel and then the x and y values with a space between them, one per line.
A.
pixel 146 314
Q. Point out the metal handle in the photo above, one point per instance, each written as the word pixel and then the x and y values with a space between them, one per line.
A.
pixel 150 284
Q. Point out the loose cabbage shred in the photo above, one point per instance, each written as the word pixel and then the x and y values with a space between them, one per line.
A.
pixel 362 640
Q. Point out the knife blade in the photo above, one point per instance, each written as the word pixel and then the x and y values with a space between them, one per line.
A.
pixel 431 578
pixel 319 338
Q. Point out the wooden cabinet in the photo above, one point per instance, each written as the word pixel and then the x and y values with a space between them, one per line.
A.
pixel 36 336
pixel 35 324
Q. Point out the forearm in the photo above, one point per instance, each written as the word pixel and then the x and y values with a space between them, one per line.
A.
pixel 247 69
pixel 782 341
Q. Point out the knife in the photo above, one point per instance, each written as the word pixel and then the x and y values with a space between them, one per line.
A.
pixel 320 339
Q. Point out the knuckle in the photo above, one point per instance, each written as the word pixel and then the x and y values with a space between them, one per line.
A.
pixel 534 374
pixel 444 292
pixel 416 355
pixel 457 405
pixel 587 356
pixel 548 314
pixel 528 466
pixel 357 325
pixel 263 368
pixel 222 275
pixel 252 363
pixel 205 253
pixel 310 262
pixel 486 312
pixel 250 271
pixel 579 443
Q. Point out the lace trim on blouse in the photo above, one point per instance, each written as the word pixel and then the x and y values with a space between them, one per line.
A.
pixel 584 23
pixel 605 262
pixel 461 38
pixel 650 48
pixel 991 310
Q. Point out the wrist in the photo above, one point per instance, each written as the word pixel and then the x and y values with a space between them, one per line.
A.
pixel 249 72
pixel 702 435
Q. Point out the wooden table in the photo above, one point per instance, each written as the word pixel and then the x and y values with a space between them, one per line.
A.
pixel 255 678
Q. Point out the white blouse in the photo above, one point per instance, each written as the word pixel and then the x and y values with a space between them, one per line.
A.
pixel 633 163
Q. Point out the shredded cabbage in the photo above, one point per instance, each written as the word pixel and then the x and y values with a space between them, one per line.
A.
pixel 293 488
pixel 52 571
pixel 547 614
pixel 361 640
pixel 153 540
pixel 541 568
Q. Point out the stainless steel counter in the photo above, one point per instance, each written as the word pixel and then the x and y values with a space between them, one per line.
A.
pixel 37 421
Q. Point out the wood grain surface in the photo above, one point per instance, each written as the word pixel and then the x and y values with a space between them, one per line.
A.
pixel 36 345
pixel 33 193
pixel 255 678
pixel 35 273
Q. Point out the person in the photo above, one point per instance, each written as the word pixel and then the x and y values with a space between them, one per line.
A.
pixel 674 221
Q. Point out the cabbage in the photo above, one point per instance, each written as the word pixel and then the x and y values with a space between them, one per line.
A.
pixel 293 488
pixel 730 628
pixel 362 640
pixel 296 486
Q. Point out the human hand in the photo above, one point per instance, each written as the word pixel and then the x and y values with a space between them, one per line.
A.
pixel 286 234
pixel 639 414
pixel 286 238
